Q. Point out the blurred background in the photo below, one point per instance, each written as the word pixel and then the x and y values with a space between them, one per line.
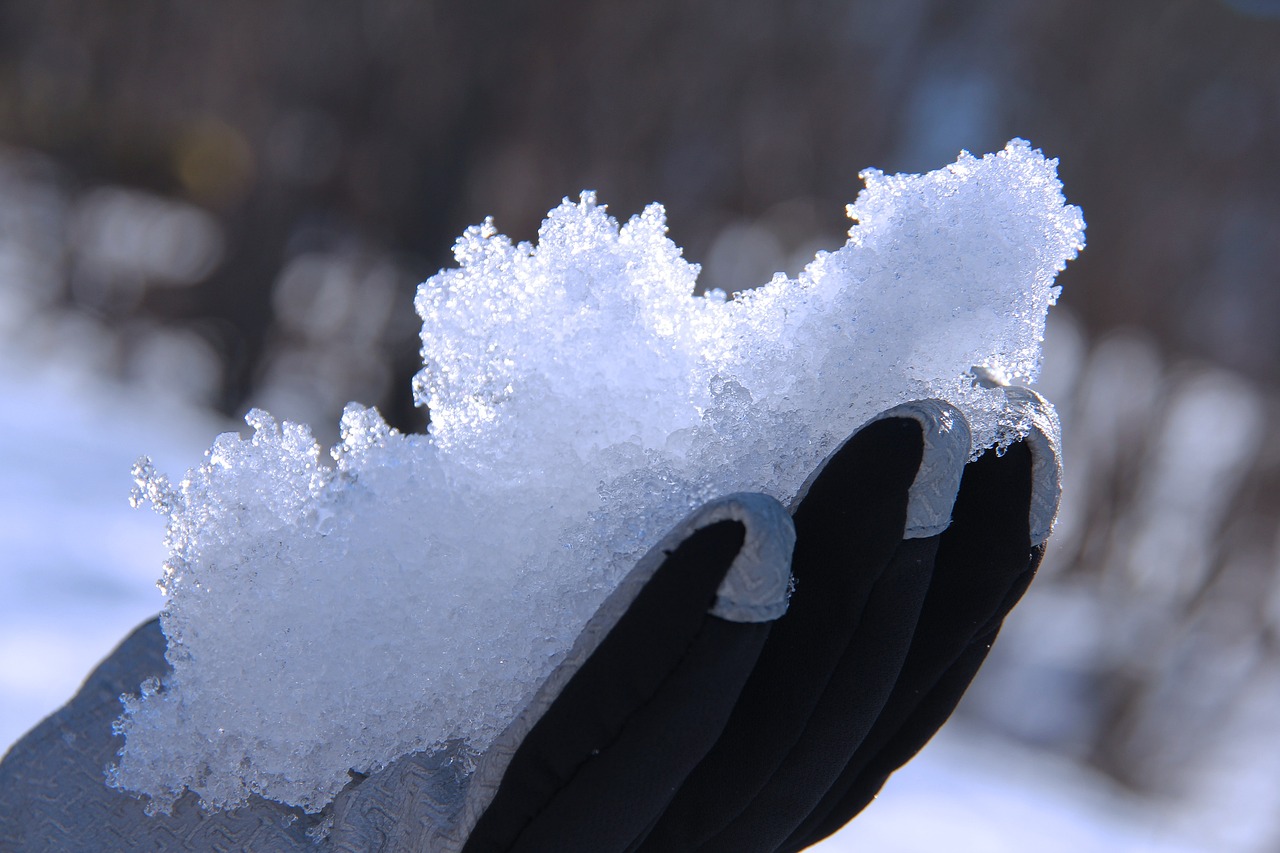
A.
pixel 208 207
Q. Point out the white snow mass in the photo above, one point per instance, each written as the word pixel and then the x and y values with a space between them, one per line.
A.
pixel 324 617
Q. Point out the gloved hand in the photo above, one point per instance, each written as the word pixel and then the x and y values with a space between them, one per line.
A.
pixel 691 713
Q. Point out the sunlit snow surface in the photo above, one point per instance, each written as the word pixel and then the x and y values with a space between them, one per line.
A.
pixel 326 615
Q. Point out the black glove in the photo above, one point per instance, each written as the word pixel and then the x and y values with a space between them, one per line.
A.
pixel 685 717
pixel 884 632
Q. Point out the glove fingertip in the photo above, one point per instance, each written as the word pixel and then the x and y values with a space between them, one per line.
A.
pixel 1044 440
pixel 758 584
pixel 947 445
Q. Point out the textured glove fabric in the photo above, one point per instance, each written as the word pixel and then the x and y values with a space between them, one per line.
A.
pixel 53 792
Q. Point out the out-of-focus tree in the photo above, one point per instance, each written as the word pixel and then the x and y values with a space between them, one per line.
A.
pixel 382 128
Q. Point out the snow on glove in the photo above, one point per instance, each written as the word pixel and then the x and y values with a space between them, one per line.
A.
pixel 675 641
pixel 907 561
pixel 683 719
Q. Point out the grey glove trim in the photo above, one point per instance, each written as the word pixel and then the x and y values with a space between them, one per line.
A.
pixel 947 446
pixel 755 589
pixel 406 806
pixel 54 797
pixel 1044 437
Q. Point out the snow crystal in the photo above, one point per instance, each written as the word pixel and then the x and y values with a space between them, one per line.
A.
pixel 331 617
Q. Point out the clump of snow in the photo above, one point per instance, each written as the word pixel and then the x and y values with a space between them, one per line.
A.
pixel 328 617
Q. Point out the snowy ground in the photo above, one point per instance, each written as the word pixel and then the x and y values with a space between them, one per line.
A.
pixel 79 567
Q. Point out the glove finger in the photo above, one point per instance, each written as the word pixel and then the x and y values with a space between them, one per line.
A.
pixel 985 562
pixel 650 697
pixel 851 795
pixel 849 524
pixel 54 794
pixel 864 677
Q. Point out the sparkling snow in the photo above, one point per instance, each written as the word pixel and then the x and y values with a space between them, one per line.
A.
pixel 334 613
